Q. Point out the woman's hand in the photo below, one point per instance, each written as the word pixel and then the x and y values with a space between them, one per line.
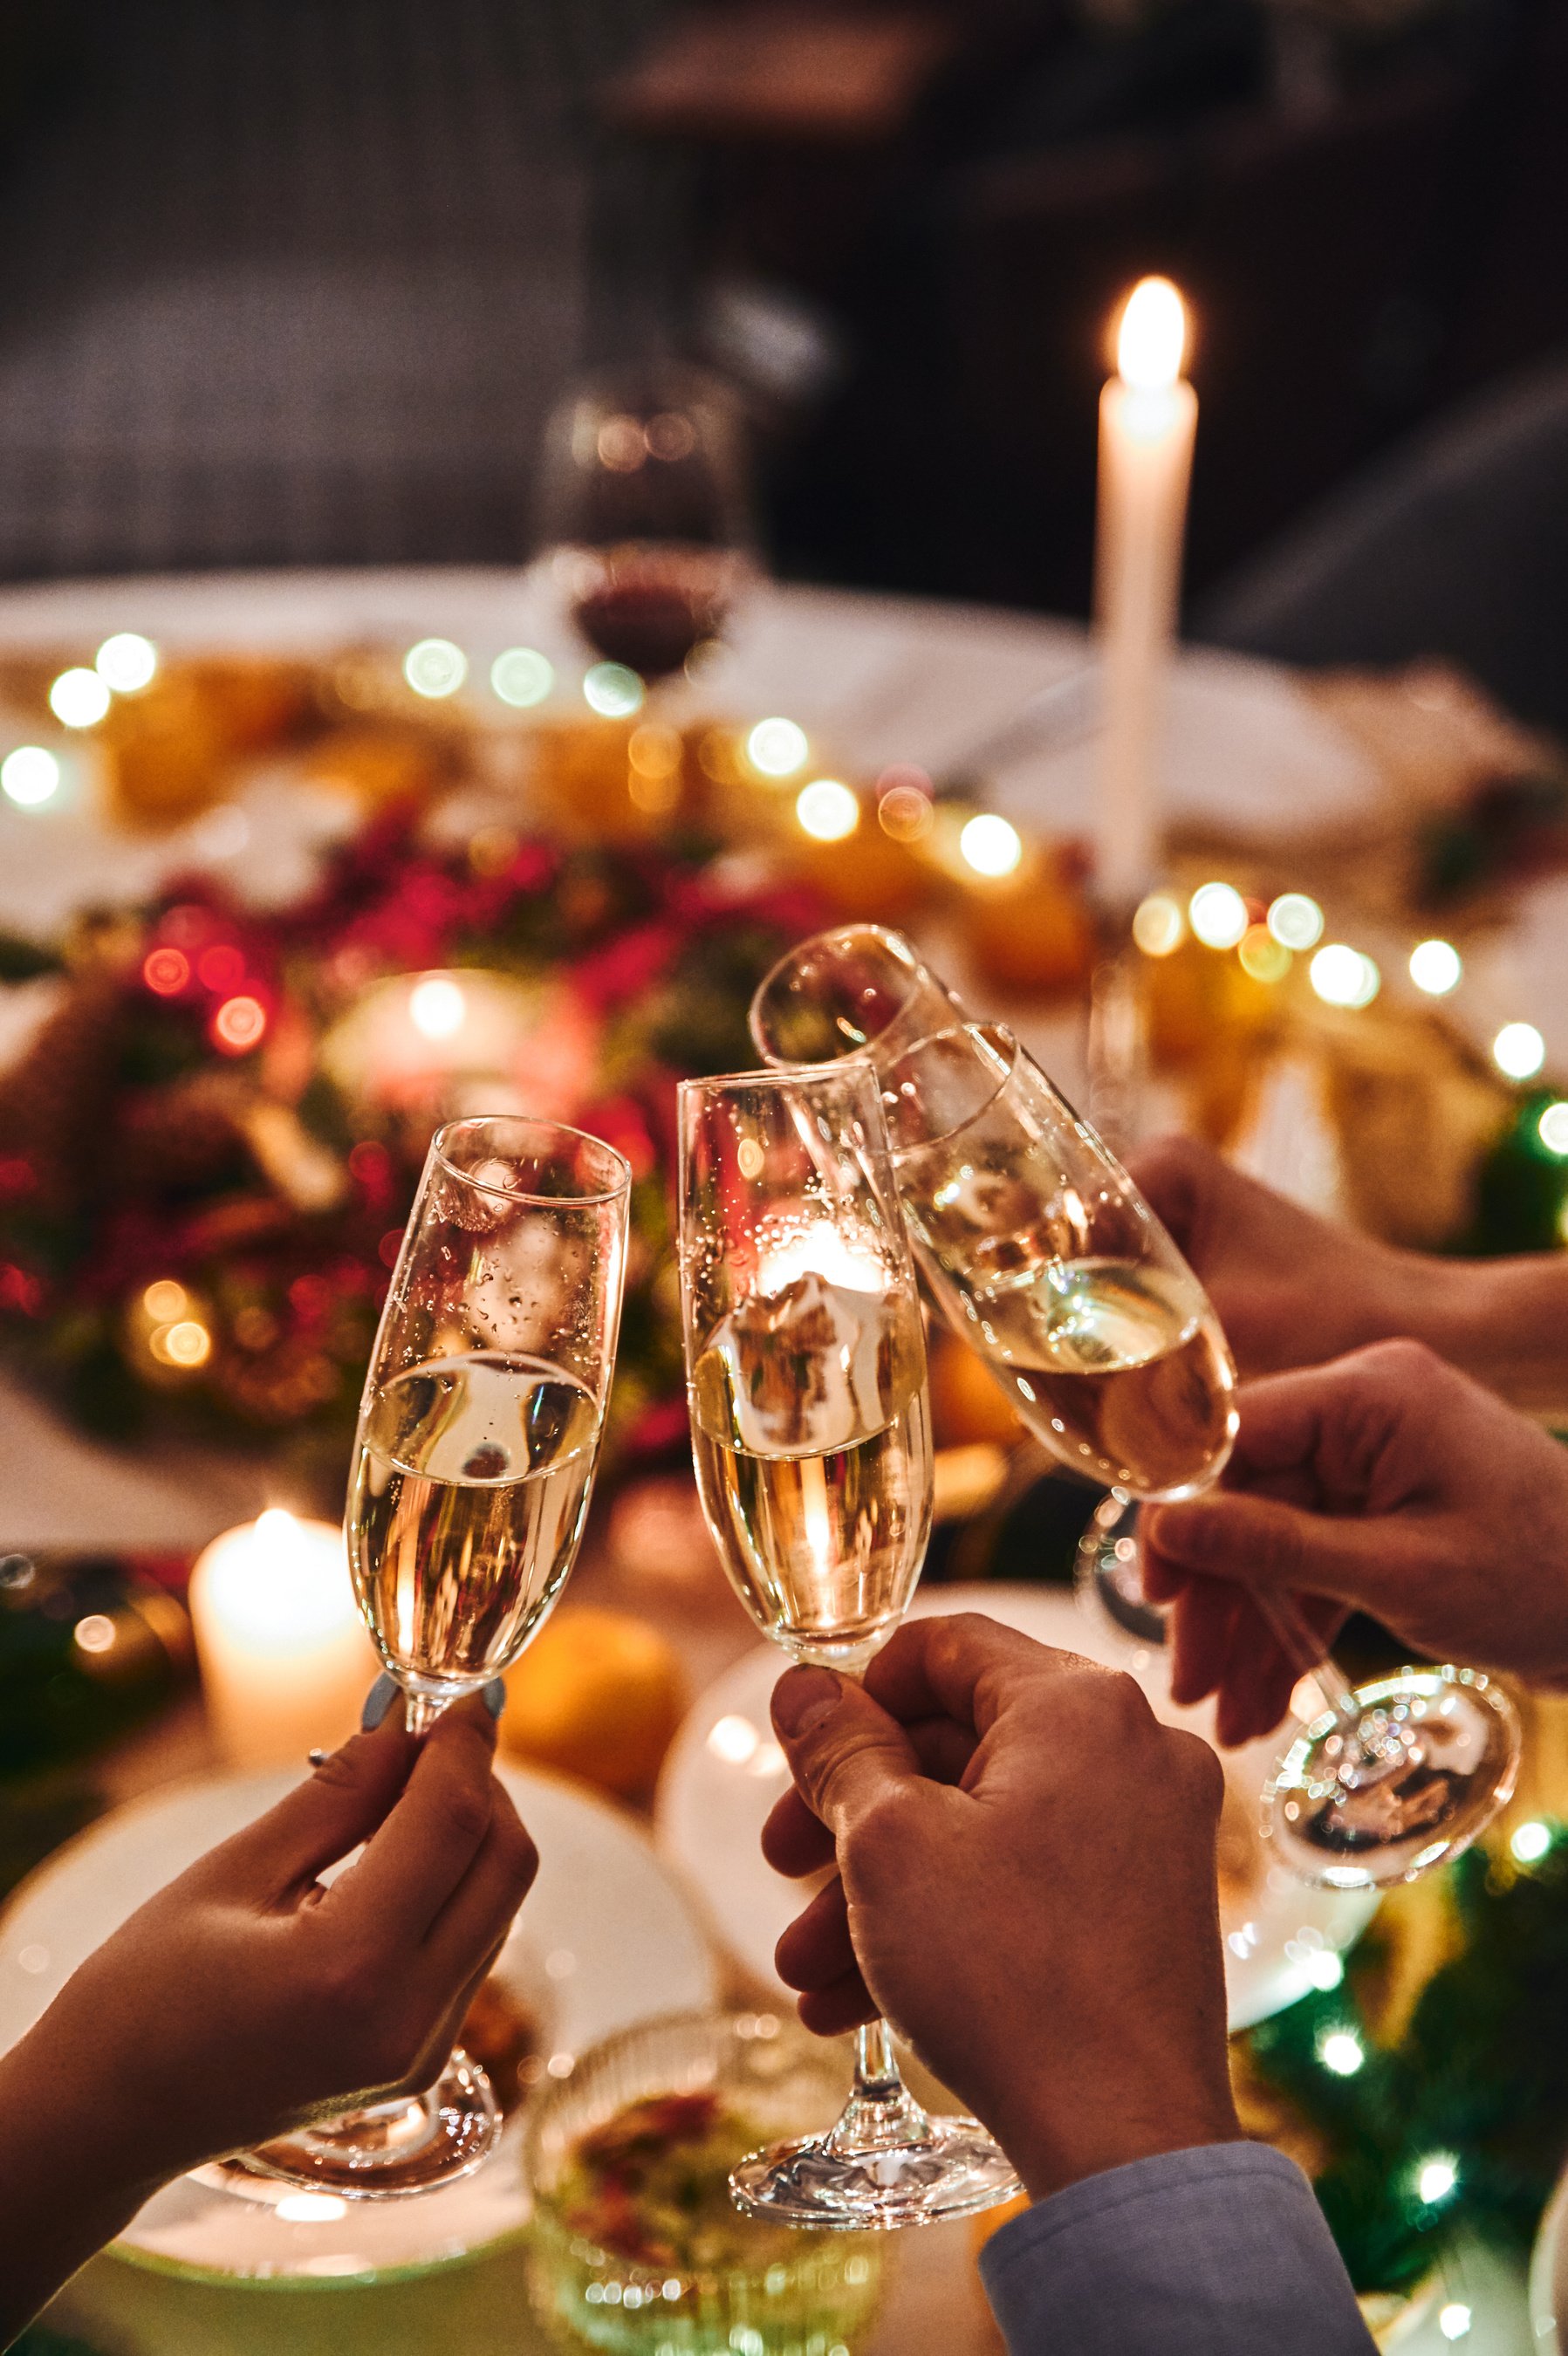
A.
pixel 1385 1481
pixel 247 1998
pixel 1026 1889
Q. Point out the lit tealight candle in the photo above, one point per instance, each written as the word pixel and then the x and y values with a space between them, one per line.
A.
pixel 1148 417
pixel 285 1661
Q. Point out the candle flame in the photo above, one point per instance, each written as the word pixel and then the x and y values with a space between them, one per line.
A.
pixel 1152 338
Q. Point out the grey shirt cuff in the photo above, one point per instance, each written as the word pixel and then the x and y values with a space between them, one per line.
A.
pixel 1221 2251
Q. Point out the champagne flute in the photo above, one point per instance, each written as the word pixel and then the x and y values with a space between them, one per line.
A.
pixel 478 1433
pixel 1040 1252
pixel 643 499
pixel 810 1431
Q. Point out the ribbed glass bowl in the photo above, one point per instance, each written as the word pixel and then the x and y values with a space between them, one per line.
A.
pixel 806 2294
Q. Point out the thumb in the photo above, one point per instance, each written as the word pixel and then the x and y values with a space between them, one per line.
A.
pixel 843 1750
pixel 1261 1542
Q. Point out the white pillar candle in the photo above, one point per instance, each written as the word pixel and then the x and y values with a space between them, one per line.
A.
pixel 285 1661
pixel 1148 417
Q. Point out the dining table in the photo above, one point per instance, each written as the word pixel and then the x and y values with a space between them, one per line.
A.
pixel 959 692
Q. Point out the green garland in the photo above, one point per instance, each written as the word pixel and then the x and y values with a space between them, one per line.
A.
pixel 1462 2123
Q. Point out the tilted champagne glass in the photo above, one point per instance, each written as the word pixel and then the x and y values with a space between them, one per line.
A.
pixel 1041 1253
pixel 810 1430
pixel 479 1434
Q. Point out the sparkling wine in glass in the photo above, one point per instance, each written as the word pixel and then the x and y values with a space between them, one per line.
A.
pixel 643 499
pixel 806 1373
pixel 478 1433
pixel 1041 1253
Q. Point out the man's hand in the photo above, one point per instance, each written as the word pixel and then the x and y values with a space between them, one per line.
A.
pixel 1295 1291
pixel 1386 1481
pixel 246 1998
pixel 1026 1890
pixel 1291 1290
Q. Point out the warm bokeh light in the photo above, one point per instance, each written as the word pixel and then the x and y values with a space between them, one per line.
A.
pixel 1218 915
pixel 1295 921
pixel 436 667
pixel 1518 1050
pixel 992 845
pixel 95 1633
pixel 827 811
pixel 1436 2178
pixel 166 971
pixel 436 1006
pixel 613 690
pixel 1552 1130
pixel 1159 927
pixel 30 776
pixel 126 662
pixel 186 1344
pixel 238 1025
pixel 1341 2051
pixel 79 698
pixel 905 814
pixel 777 748
pixel 1454 2320
pixel 1530 1842
pixel 1343 977
pixel 1436 967
pixel 1261 955
pixel 166 1301
pixel 521 676
pixel 1152 341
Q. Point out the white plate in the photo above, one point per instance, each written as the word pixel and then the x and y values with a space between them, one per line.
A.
pixel 725 1772
pixel 604 1939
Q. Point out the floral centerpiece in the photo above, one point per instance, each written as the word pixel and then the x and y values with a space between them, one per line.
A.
pixel 209 1146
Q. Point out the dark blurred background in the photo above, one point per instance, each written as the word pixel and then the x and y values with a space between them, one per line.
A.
pixel 297 281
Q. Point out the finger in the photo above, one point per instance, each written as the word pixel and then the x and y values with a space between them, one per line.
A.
pixel 817 1949
pixel 794 1841
pixel 830 2011
pixel 961 1666
pixel 1259 1542
pixel 843 1751
pixel 342 1804
pixel 481 1909
pixel 1201 1620
pixel 433 1834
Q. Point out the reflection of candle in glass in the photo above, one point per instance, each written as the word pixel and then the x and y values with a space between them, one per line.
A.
pixel 1148 417
pixel 285 1662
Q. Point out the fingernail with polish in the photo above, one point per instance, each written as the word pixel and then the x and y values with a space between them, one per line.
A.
pixel 495 1696
pixel 803 1696
pixel 377 1701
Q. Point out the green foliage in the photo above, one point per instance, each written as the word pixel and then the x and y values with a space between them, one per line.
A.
pixel 1480 2077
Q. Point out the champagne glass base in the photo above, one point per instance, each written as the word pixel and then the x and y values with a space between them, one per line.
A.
pixel 387 2151
pixel 954 2170
pixel 1108 1573
pixel 1445 1751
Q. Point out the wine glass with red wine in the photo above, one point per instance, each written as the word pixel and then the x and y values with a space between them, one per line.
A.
pixel 643 500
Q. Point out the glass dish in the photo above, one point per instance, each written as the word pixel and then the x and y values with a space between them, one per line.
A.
pixel 777 2290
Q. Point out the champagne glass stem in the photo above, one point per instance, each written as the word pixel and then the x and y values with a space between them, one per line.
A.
pixel 419 1712
pixel 880 2113
pixel 1308 1660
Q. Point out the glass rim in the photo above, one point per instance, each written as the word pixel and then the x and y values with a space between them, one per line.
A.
pixel 888 934
pixel 610 1194
pixel 985 1034
pixel 837 1068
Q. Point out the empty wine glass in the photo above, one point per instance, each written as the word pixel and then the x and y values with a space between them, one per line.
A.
pixel 810 1431
pixel 479 1435
pixel 643 499
pixel 1041 1253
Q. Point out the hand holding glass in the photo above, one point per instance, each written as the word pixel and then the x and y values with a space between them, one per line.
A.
pixel 479 1434
pixel 806 1371
pixel 1041 1253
